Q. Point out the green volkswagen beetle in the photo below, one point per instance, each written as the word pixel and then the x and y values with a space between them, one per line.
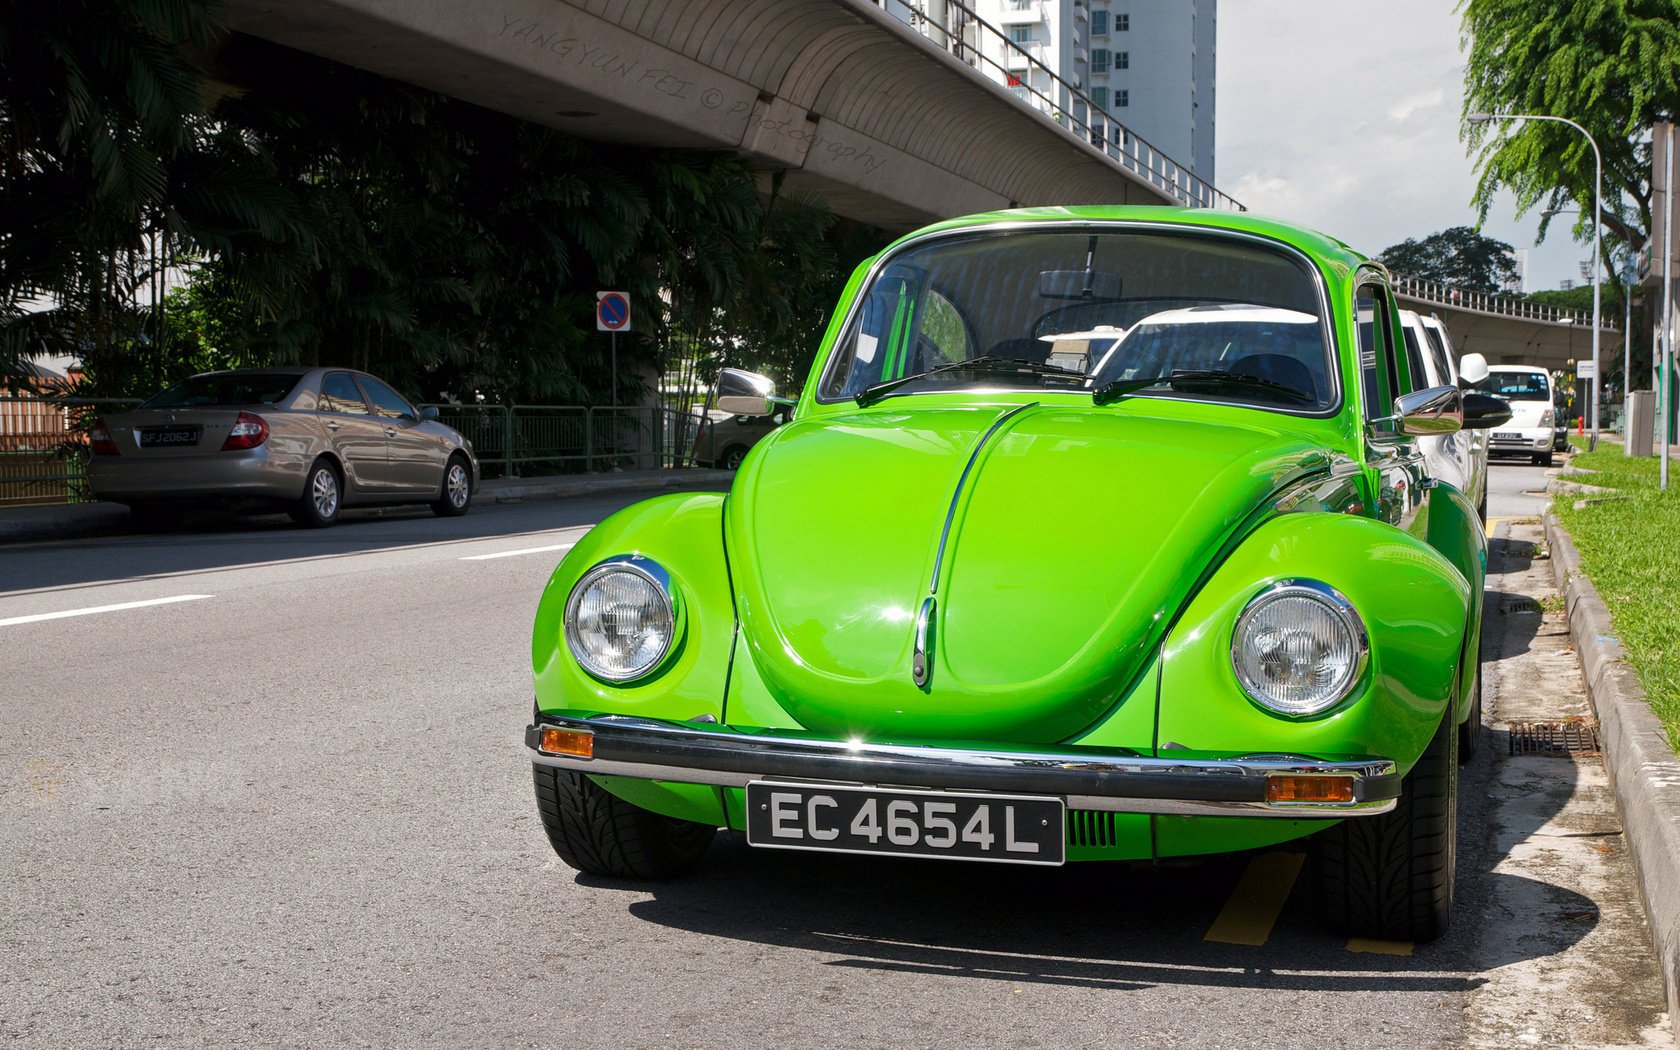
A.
pixel 1098 534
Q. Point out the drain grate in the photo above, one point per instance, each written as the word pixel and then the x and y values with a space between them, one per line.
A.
pixel 1553 738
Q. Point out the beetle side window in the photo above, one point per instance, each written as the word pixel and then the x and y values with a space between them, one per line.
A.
pixel 340 394
pixel 1378 377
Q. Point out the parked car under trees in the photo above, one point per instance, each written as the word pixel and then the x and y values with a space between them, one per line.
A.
pixel 1097 534
pixel 309 441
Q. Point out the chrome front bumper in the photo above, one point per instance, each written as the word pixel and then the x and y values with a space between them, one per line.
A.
pixel 1187 784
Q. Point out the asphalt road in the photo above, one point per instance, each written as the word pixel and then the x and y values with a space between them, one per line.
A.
pixel 276 797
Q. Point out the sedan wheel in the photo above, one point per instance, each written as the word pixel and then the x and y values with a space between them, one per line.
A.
pixel 321 500
pixel 457 490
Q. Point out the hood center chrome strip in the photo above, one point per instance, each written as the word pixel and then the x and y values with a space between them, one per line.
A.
pixel 921 662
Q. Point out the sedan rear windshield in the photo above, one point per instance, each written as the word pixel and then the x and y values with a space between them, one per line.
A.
pixel 1517 386
pixel 1236 320
pixel 205 391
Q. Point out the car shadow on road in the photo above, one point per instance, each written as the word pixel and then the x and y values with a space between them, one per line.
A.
pixel 1103 925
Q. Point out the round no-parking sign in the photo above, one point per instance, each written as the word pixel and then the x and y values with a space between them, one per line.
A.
pixel 612 312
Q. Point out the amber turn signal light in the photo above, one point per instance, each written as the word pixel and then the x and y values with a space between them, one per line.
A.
pixel 578 743
pixel 1319 788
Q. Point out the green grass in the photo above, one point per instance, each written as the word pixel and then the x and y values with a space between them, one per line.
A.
pixel 1631 550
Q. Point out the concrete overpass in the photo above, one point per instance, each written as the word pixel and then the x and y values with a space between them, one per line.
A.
pixel 856 106
pixel 1508 330
pixel 881 119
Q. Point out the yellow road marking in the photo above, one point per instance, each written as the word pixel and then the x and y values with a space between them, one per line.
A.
pixel 1365 944
pixel 1254 906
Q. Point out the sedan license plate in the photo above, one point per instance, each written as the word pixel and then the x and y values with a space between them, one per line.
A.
pixel 169 437
pixel 1008 829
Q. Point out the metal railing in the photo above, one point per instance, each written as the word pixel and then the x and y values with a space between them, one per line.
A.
pixel 1499 305
pixel 531 440
pixel 974 41
pixel 44 450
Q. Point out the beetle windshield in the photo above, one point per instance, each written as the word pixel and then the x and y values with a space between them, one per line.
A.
pixel 226 388
pixel 1203 314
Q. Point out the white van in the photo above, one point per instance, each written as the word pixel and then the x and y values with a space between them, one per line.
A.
pixel 1529 390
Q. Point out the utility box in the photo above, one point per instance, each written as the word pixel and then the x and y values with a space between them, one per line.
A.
pixel 1641 422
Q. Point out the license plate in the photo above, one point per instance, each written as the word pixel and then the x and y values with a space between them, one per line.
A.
pixel 1507 437
pixel 169 437
pixel 1007 829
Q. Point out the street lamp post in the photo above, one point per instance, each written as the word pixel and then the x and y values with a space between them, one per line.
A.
pixel 1598 216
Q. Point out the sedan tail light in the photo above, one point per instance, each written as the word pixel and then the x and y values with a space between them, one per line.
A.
pixel 248 431
pixel 99 439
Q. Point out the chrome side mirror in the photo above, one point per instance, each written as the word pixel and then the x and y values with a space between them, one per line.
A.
pixel 1435 410
pixel 744 405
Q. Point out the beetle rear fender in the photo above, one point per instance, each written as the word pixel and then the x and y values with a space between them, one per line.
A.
pixel 683 532
pixel 1416 608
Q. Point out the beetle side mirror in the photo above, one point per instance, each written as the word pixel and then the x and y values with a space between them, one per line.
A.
pixel 744 405
pixel 1433 410
pixel 1484 411
pixel 428 414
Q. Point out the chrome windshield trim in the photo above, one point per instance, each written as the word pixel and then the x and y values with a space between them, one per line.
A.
pixel 1108 779
pixel 1326 319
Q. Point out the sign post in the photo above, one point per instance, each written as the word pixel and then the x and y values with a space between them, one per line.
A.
pixel 612 314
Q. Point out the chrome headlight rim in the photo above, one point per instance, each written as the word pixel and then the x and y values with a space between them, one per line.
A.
pixel 648 570
pixel 1338 604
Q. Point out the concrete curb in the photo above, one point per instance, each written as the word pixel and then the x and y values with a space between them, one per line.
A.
pixel 1644 770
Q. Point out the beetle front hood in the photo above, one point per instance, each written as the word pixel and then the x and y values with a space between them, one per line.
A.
pixel 1076 535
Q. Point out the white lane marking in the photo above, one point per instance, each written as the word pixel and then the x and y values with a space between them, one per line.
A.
pixel 102 609
pixel 512 554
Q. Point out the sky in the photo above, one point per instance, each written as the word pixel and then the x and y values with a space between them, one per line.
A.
pixel 1345 117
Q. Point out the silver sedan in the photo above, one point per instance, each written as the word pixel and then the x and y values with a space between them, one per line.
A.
pixel 313 440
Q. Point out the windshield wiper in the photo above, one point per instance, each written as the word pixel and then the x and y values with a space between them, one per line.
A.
pixel 993 365
pixel 1193 377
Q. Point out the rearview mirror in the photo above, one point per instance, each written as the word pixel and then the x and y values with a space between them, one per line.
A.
pixel 1078 284
pixel 1472 369
pixel 744 405
pixel 1484 411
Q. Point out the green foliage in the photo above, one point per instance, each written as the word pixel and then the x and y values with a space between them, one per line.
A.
pixel 1612 66
pixel 323 215
pixel 1458 256
pixel 1631 549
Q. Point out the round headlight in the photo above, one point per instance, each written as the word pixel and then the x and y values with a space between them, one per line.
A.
pixel 1299 647
pixel 621 618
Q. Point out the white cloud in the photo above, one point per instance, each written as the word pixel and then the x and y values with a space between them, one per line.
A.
pixel 1345 117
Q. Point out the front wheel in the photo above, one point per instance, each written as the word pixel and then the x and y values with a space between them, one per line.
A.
pixel 1546 460
pixel 1391 877
pixel 599 833
pixel 456 494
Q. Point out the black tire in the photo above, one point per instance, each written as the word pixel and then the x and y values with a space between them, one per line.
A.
pixel 455 493
pixel 599 833
pixel 1470 732
pixel 1546 460
pixel 1391 877
pixel 322 499
pixel 732 457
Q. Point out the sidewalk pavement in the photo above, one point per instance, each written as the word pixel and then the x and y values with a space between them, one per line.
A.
pixel 72 520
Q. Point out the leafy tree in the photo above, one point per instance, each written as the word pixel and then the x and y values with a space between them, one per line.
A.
pixel 1612 66
pixel 1458 256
